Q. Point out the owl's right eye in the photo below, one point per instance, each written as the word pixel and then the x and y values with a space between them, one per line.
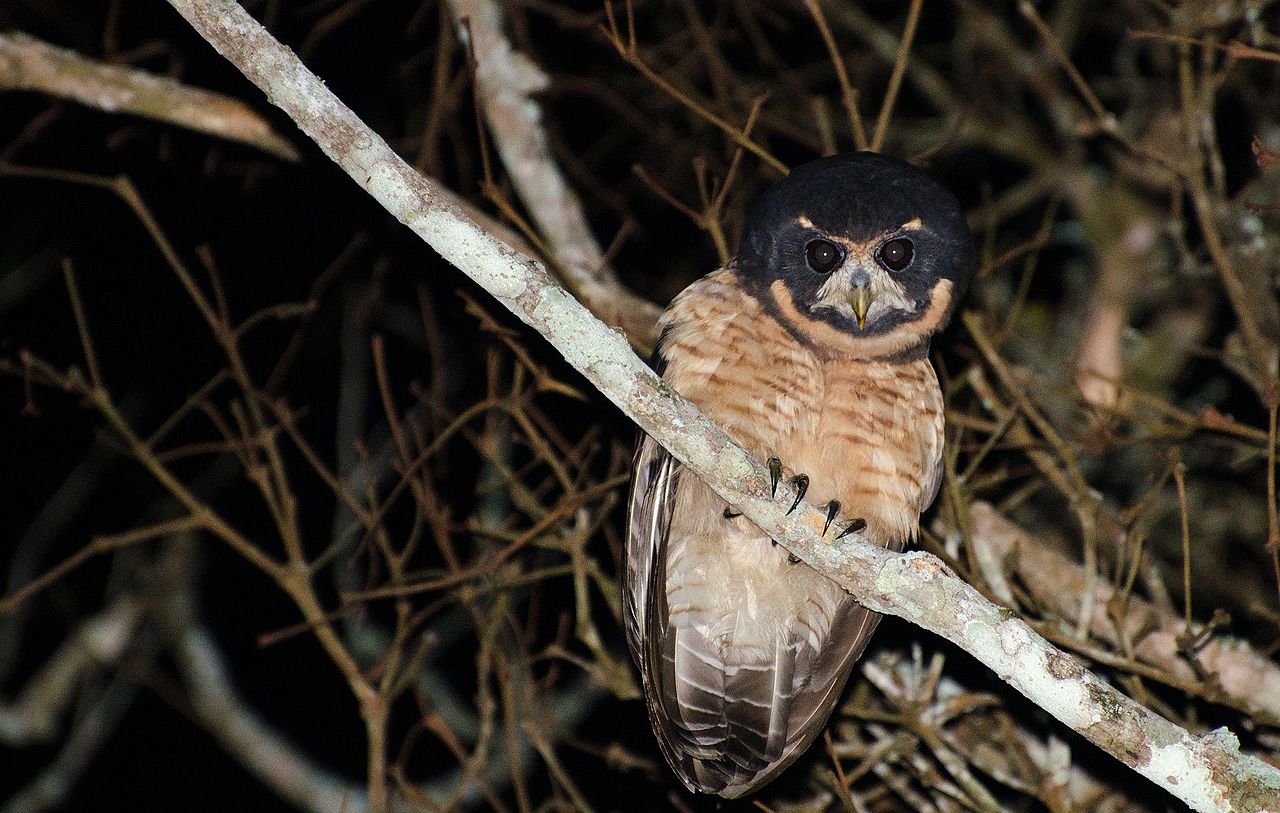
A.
pixel 822 255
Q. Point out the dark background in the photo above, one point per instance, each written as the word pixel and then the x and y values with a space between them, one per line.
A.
pixel 281 232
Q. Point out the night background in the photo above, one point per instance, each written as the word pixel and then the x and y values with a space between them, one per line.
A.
pixel 218 357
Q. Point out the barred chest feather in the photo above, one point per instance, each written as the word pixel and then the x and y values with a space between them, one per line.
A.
pixel 867 432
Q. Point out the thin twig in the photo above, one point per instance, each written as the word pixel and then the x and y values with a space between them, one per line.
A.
pixel 895 78
pixel 848 96
pixel 82 326
pixel 627 50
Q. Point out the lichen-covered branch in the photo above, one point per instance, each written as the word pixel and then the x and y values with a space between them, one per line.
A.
pixel 1208 773
pixel 27 63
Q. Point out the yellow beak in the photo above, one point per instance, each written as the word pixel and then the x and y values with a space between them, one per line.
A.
pixel 860 298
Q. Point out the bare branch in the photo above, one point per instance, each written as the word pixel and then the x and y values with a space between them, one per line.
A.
pixel 26 63
pixel 98 641
pixel 506 80
pixel 1244 677
pixel 261 749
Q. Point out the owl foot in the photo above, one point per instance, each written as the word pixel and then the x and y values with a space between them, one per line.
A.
pixel 775 473
pixel 800 482
pixel 833 508
pixel 857 526
pixel 729 513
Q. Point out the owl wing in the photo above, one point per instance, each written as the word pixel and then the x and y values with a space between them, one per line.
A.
pixel 682 708
pixel 730 712
pixel 656 473
pixel 932 436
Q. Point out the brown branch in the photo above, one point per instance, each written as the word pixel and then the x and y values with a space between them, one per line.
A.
pixel 895 79
pixel 848 96
pixel 626 49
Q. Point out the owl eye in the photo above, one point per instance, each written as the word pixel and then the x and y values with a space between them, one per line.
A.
pixel 822 255
pixel 896 255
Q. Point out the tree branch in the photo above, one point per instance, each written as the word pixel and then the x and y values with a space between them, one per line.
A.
pixel 26 63
pixel 1242 677
pixel 1209 773
pixel 100 641
pixel 257 746
pixel 506 80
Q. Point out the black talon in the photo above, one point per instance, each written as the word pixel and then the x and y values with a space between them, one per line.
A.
pixel 729 513
pixel 801 484
pixel 833 508
pixel 775 473
pixel 857 526
pixel 793 559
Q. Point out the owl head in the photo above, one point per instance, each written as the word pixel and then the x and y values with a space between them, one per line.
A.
pixel 860 251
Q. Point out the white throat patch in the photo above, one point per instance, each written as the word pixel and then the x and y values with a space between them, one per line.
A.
pixel 887 293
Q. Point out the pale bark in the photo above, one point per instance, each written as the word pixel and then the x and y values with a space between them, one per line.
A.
pixel 506 81
pixel 27 63
pixel 1248 679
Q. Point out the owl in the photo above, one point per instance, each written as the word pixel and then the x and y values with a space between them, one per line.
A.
pixel 811 349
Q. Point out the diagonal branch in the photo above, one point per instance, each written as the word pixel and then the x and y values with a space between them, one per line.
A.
pixel 506 81
pixel 1209 773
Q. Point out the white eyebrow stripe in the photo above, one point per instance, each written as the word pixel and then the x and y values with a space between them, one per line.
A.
pixel 915 224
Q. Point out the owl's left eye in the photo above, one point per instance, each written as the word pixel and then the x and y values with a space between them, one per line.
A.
pixel 896 254
pixel 822 255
